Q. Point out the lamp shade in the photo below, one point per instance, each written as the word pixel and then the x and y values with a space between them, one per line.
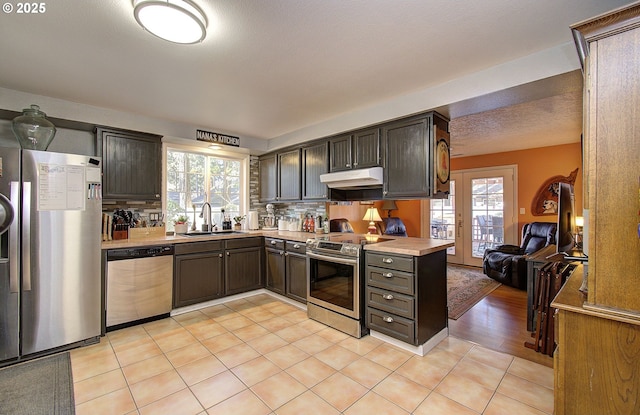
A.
pixel 389 205
pixel 372 215
pixel 179 21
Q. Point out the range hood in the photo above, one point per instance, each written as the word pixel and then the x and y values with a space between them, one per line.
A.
pixel 352 179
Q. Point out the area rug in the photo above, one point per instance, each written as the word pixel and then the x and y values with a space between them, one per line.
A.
pixel 42 386
pixel 465 287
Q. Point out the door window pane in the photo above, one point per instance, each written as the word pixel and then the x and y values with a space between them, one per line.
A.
pixel 487 214
pixel 443 218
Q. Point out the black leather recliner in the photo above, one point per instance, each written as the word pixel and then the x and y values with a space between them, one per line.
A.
pixel 507 263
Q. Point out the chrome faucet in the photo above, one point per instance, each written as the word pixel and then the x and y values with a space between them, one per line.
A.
pixel 208 226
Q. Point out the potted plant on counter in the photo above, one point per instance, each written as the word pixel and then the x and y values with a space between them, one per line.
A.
pixel 181 224
pixel 238 225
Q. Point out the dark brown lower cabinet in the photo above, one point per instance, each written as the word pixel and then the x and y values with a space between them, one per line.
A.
pixel 198 273
pixel 275 275
pixel 296 271
pixel 406 296
pixel 204 271
pixel 286 272
pixel 243 259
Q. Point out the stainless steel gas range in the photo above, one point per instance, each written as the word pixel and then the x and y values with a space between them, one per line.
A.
pixel 335 273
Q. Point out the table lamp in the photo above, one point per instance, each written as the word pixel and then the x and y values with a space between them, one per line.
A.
pixel 372 216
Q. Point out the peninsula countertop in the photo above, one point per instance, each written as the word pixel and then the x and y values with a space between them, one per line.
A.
pixel 399 245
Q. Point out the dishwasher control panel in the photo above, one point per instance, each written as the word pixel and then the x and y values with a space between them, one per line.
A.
pixel 132 253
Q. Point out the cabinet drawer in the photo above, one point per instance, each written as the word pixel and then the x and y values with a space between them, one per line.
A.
pixel 402 305
pixel 242 243
pixel 392 325
pixel 299 247
pixel 402 282
pixel 274 243
pixel 195 247
pixel 400 263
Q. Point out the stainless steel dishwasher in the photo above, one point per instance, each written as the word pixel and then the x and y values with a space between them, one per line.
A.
pixel 139 284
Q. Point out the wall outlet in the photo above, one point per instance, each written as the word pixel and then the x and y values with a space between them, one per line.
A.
pixel 522 211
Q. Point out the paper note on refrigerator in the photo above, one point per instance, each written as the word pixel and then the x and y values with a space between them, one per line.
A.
pixel 61 187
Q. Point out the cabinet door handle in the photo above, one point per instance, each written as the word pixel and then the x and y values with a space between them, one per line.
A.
pixel 387 319
pixel 387 260
pixel 286 254
pixel 355 164
pixel 281 252
pixel 388 275
pixel 347 165
pixel 228 253
pixel 273 242
pixel 296 246
pixel 387 296
pixel 219 255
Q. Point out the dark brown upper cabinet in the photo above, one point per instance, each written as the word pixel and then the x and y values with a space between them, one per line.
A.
pixel 356 150
pixel 280 176
pixel 315 161
pixel 131 163
pixel 410 147
pixel 289 175
pixel 268 166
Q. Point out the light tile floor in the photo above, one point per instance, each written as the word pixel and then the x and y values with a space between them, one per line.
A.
pixel 262 356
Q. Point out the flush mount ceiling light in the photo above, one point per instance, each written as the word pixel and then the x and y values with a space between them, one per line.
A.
pixel 179 21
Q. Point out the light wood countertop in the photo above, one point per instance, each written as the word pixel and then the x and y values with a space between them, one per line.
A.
pixel 410 246
pixel 403 246
pixel 178 239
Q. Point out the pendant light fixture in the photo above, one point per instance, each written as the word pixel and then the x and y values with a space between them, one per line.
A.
pixel 179 21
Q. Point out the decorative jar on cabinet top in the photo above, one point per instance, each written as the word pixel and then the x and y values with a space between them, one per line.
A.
pixel 32 129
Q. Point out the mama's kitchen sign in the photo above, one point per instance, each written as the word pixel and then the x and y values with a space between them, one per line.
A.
pixel 211 137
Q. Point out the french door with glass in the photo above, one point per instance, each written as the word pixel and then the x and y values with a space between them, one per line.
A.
pixel 479 213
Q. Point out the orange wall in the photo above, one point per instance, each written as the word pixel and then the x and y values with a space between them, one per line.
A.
pixel 535 166
pixel 408 211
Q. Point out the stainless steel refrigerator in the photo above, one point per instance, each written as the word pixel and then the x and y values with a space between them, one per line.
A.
pixel 50 279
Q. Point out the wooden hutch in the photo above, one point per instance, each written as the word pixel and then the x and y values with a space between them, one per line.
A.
pixel 597 362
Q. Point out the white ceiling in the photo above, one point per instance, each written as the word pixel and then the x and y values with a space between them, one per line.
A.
pixel 275 69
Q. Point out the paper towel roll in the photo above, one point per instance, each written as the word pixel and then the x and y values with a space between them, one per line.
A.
pixel 253 220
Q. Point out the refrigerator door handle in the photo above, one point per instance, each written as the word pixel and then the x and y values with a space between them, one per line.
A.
pixel 26 236
pixel 13 239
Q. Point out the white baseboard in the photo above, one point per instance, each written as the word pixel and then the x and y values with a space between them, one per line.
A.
pixel 200 306
pixel 420 350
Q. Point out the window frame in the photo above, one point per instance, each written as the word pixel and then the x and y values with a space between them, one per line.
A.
pixel 244 160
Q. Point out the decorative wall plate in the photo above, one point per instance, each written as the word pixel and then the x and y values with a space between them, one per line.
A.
pixel 442 161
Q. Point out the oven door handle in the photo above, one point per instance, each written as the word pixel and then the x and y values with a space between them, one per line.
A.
pixel 346 261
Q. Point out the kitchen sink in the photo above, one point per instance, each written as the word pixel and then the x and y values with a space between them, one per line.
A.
pixel 201 233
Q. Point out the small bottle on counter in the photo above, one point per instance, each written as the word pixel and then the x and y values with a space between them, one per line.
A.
pixel 226 221
pixel 325 225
